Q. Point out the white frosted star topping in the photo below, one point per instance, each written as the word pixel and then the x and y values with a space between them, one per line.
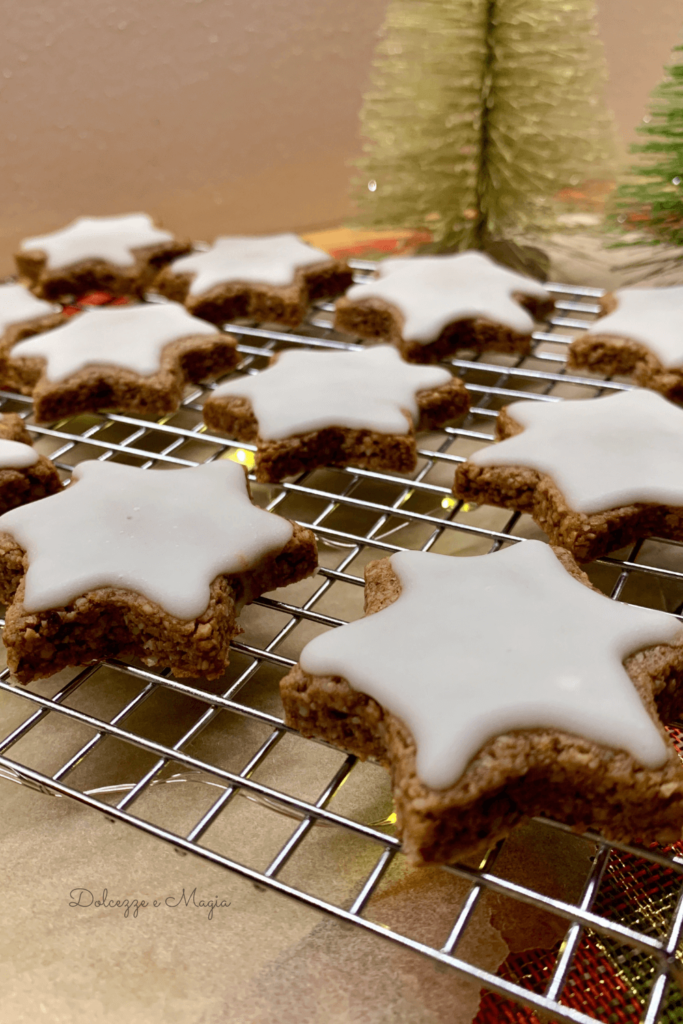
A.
pixel 165 534
pixel 268 259
pixel 476 647
pixel 434 291
pixel 16 454
pixel 132 337
pixel 372 389
pixel 18 305
pixel 601 453
pixel 104 238
pixel 652 316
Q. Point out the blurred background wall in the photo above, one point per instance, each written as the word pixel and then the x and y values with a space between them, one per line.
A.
pixel 218 115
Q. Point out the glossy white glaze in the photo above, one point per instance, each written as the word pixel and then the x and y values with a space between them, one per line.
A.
pixel 477 647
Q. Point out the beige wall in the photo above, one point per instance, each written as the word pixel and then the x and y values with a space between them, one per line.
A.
pixel 216 115
pixel 638 36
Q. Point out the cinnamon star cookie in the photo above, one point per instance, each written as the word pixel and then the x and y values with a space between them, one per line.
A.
pixel 269 278
pixel 130 358
pixel 641 335
pixel 595 474
pixel 146 563
pixel 311 409
pixel 121 255
pixel 498 687
pixel 429 306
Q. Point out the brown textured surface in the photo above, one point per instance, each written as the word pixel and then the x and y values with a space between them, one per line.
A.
pixel 335 446
pixel 587 537
pixel 515 776
pixel 94 274
pixel 263 303
pixel 99 387
pixel 19 486
pixel 377 320
pixel 617 355
pixel 113 622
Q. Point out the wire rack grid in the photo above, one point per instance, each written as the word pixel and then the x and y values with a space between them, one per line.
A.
pixel 615 957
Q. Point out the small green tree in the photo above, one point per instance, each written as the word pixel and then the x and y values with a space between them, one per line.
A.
pixel 651 196
pixel 479 112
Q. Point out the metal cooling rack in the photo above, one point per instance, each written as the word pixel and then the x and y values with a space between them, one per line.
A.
pixel 356 514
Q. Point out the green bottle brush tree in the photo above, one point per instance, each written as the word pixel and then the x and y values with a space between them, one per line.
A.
pixel 479 113
pixel 650 199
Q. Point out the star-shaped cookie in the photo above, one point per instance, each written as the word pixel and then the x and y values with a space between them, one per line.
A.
pixel 134 358
pixel 311 409
pixel 641 335
pixel 498 687
pixel 594 473
pixel 155 564
pixel 121 255
pixel 269 278
pixel 431 305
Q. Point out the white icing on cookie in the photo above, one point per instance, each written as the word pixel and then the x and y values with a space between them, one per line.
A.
pixel 19 305
pixel 434 291
pixel 98 238
pixel 269 259
pixel 652 316
pixel 15 455
pixel 477 647
pixel 372 389
pixel 602 453
pixel 163 534
pixel 132 337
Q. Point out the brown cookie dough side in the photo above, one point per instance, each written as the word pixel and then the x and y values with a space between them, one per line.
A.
pixel 112 622
pixel 587 537
pixel 377 320
pixel 334 446
pixel 513 777
pixel 264 303
pixel 19 486
pixel 13 428
pixel 104 386
pixel 97 274
pixel 612 355
pixel 327 707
